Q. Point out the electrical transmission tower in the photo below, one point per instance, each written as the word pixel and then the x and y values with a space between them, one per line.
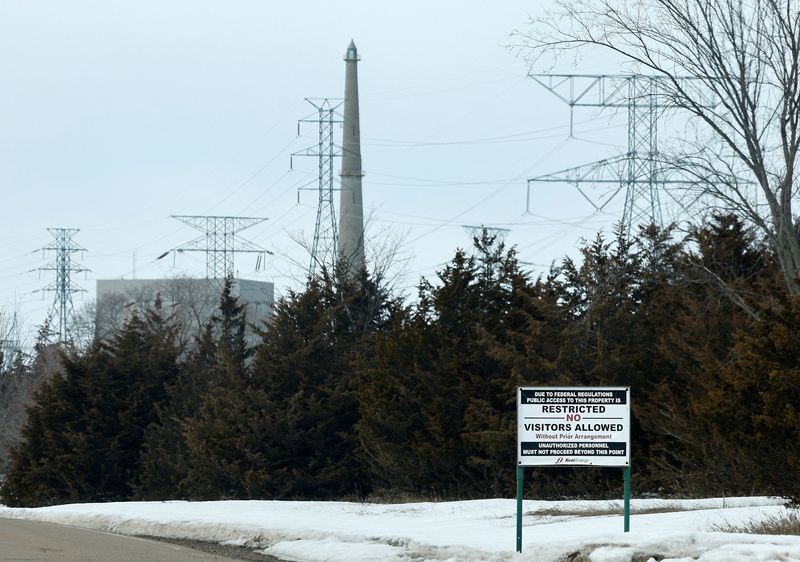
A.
pixel 476 231
pixel 63 246
pixel 219 242
pixel 324 247
pixel 640 171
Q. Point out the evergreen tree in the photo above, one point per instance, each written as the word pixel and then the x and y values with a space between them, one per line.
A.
pixel 437 406
pixel 165 456
pixel 350 392
pixel 759 419
pixel 618 303
pixel 195 449
pixel 721 284
pixel 305 379
pixel 84 433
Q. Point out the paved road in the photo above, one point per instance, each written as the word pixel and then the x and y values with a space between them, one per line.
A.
pixel 45 542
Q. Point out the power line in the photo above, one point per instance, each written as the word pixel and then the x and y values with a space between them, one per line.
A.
pixel 502 139
pixel 252 176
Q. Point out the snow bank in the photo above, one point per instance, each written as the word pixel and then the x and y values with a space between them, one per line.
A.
pixel 448 531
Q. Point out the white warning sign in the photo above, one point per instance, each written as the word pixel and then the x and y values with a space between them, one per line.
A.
pixel 573 426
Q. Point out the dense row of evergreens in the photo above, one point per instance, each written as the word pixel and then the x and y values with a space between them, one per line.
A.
pixel 353 393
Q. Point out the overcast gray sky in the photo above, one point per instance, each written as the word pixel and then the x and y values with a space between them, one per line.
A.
pixel 115 115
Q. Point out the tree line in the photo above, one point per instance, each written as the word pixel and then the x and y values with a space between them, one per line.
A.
pixel 354 392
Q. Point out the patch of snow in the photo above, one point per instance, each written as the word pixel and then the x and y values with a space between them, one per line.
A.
pixel 333 550
pixel 470 531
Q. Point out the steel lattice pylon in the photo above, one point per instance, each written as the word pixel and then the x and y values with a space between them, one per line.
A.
pixel 639 171
pixel 219 241
pixel 642 193
pixel 63 287
pixel 324 247
pixel 476 231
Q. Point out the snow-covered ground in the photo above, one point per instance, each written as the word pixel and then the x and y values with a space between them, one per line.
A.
pixel 448 531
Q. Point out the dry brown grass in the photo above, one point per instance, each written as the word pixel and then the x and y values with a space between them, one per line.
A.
pixel 608 510
pixel 787 523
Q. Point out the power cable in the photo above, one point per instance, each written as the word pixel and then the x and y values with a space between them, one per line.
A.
pixel 252 176
pixel 483 200
pixel 514 137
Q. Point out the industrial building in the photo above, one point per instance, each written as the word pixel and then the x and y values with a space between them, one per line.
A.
pixel 191 302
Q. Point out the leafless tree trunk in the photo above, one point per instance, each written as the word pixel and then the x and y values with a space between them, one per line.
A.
pixel 744 60
pixel 11 338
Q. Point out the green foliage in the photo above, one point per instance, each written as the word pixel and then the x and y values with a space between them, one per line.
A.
pixel 82 438
pixel 437 401
pixel 305 378
pixel 762 399
pixel 691 410
pixel 194 448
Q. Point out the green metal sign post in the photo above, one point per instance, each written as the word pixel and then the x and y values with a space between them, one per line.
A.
pixel 520 479
pixel 626 476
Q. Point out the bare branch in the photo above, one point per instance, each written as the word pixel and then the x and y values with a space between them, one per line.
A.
pixel 746 56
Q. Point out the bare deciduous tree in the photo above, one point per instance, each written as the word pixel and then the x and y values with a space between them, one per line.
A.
pixel 20 376
pixel 386 260
pixel 187 303
pixel 743 54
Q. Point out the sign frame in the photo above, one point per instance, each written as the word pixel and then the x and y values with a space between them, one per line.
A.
pixel 573 426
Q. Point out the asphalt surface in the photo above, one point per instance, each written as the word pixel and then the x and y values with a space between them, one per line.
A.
pixel 45 542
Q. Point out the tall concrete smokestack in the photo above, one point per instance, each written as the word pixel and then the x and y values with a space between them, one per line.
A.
pixel 351 210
